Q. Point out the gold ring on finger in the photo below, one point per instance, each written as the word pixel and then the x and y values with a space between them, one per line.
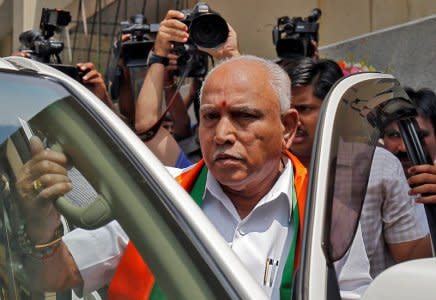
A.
pixel 37 185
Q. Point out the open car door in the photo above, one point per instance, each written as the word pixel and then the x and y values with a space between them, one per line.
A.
pixel 348 133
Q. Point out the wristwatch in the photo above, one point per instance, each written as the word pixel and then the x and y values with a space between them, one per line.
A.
pixel 153 58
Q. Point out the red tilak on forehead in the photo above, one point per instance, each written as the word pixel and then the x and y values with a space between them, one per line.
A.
pixel 223 103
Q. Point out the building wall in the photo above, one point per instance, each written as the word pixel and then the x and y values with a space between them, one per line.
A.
pixel 341 19
pixel 254 19
pixel 6 45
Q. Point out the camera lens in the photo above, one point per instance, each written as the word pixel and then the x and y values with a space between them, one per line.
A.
pixel 209 30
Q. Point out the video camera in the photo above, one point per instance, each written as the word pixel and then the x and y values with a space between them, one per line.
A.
pixel 293 37
pixel 135 51
pixel 206 29
pixel 42 47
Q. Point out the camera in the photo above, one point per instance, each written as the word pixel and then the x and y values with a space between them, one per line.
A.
pixel 293 36
pixel 135 51
pixel 192 62
pixel 40 45
pixel 206 29
pixel 43 48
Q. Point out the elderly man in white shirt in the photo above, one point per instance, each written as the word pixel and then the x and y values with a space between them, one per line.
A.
pixel 245 121
pixel 249 193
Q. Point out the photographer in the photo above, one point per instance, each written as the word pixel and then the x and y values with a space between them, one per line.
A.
pixel 90 78
pixel 94 81
pixel 130 68
pixel 41 46
pixel 149 102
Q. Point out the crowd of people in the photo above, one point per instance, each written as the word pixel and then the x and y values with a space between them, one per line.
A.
pixel 254 133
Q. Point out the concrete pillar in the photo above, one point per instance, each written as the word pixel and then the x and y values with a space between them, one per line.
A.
pixel 24 15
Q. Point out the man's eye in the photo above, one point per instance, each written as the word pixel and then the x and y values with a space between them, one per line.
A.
pixel 303 109
pixel 423 134
pixel 211 116
pixel 244 115
pixel 393 135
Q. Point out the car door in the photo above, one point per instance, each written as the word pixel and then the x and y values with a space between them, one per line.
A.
pixel 348 133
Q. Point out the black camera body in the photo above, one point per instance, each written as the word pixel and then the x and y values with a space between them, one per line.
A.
pixel 293 36
pixel 40 45
pixel 40 49
pixel 191 62
pixel 135 51
pixel 206 29
pixel 52 20
pixel 43 48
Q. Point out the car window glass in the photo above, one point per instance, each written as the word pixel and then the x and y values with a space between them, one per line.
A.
pixel 366 182
pixel 353 143
pixel 44 107
pixel 99 165
pixel 24 96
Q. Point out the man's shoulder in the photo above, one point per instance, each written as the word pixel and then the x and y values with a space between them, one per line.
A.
pixel 386 162
pixel 177 171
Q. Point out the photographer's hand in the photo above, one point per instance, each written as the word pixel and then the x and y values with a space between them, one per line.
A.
pixel 315 55
pixel 94 81
pixel 228 49
pixel 423 183
pixel 21 54
pixel 172 64
pixel 171 30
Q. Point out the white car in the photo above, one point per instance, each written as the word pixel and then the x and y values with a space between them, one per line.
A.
pixel 188 257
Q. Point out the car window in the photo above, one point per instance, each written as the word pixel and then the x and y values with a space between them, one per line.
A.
pixel 24 96
pixel 26 100
pixel 100 165
pixel 349 167
pixel 353 143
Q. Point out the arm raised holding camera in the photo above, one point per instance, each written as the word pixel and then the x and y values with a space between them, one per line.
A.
pixel 149 103
pixel 94 81
pixel 148 107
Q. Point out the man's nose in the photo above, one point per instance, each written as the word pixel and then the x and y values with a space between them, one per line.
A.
pixel 225 132
pixel 401 147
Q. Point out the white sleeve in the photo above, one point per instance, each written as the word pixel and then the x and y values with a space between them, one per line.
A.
pixel 96 253
pixel 352 270
pixel 421 217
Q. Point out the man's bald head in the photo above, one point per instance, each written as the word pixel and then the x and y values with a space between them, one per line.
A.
pixel 276 77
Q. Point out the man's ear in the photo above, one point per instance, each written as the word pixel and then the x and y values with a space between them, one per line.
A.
pixel 290 122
